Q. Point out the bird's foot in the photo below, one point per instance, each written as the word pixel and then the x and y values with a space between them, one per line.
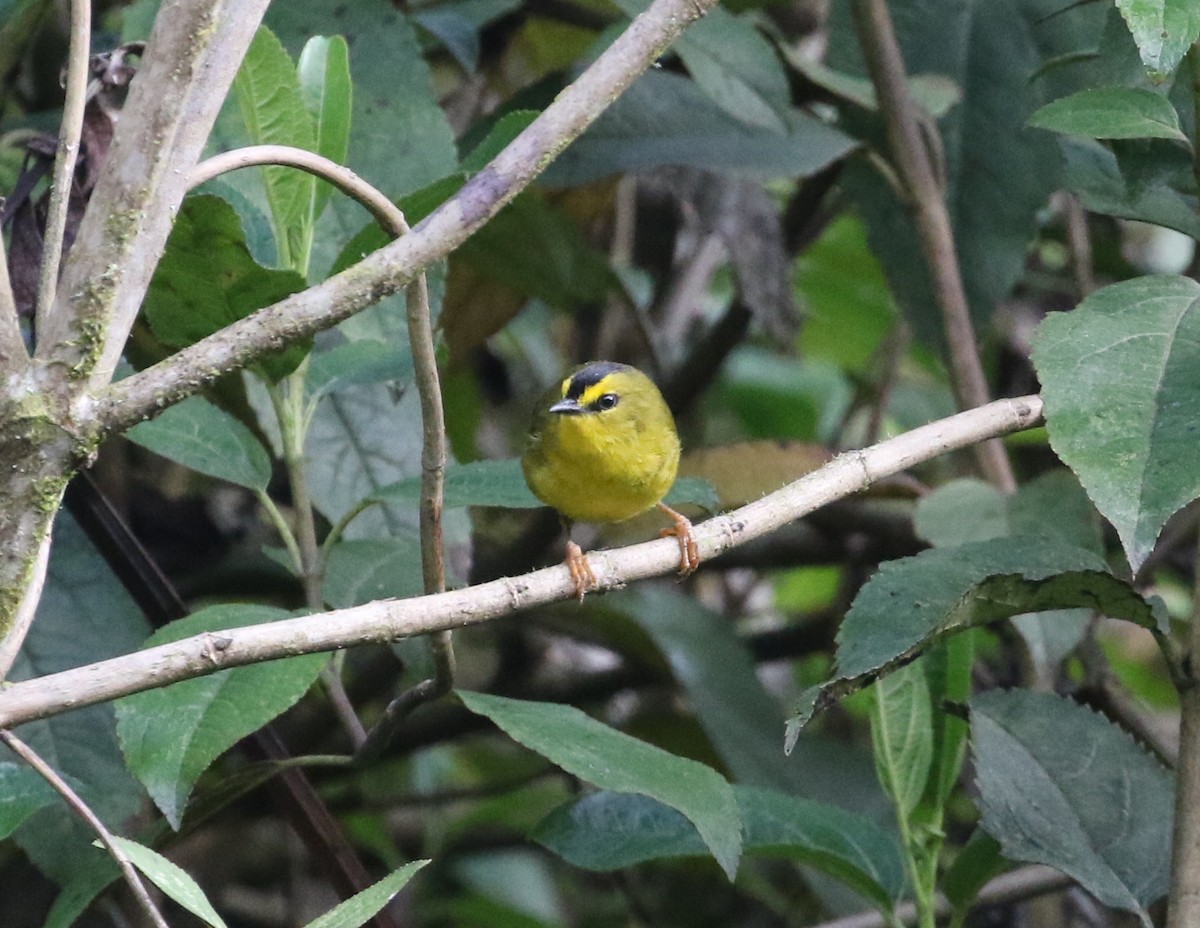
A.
pixel 689 556
pixel 581 571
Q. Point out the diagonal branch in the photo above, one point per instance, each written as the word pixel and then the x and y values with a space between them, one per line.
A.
pixel 911 155
pixel 395 266
pixel 193 53
pixel 388 620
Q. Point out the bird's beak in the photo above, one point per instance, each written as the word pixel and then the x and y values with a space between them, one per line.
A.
pixel 567 407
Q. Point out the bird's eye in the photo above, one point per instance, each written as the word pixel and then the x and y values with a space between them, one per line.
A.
pixel 607 401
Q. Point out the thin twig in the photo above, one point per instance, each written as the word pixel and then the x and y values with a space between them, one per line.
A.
pixel 433 570
pixel 1015 886
pixel 393 267
pixel 385 212
pixel 1079 242
pixel 81 808
pixel 69 138
pixel 388 620
pixel 1184 904
pixel 289 413
pixel 1183 907
pixel 934 232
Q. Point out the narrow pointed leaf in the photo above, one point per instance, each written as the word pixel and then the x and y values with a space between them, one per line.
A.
pixel 324 74
pixel 172 880
pixel 614 761
pixel 1111 113
pixel 273 110
pixel 361 907
pixel 902 734
pixel 1123 401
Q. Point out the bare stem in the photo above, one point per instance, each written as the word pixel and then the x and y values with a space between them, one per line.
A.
pixel 69 138
pixel 386 621
pixel 289 411
pixel 928 205
pixel 80 808
pixel 385 212
pixel 1183 909
pixel 433 567
pixel 1184 905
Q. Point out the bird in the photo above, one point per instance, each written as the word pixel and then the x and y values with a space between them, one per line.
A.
pixel 602 447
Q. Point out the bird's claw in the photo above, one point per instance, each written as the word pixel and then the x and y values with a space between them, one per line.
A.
pixel 581 571
pixel 689 555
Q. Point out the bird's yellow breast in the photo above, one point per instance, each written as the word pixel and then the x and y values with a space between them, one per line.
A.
pixel 603 465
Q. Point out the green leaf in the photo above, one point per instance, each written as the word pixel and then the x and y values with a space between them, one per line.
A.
pixel 612 760
pixel 362 906
pixel 665 119
pixel 506 128
pixel 1163 31
pixel 171 879
pixel 85 615
pixel 90 873
pixel 360 570
pixel 400 140
pixel 977 863
pixel 362 438
pixel 902 735
pixel 171 735
pixel 456 25
pixel 1123 402
pixel 199 435
pixel 478 483
pixel 948 674
pixel 849 307
pixel 1060 785
pixel 738 69
pixel 274 113
pixel 912 602
pixel 1092 171
pixel 324 75
pixel 22 792
pixel 208 279
pixel 776 397
pixel 610 831
pixel 1111 113
pixel 1053 505
pixel 712 664
pixel 358 362
pixel 534 248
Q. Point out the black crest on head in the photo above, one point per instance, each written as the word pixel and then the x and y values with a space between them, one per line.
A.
pixel 589 376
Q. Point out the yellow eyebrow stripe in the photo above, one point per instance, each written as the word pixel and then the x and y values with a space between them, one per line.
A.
pixel 595 391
